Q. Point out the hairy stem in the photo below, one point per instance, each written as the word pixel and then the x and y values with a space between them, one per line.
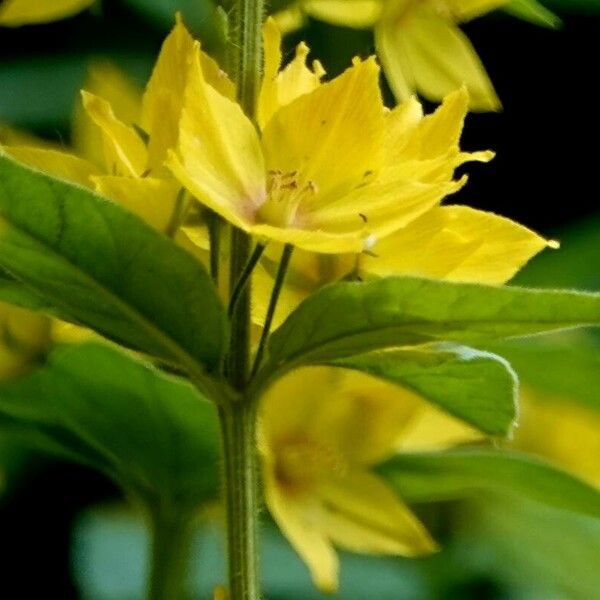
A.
pixel 238 418
pixel 238 424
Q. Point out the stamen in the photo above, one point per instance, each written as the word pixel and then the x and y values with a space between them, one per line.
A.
pixel 285 193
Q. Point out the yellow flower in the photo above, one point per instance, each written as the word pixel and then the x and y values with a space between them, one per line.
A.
pixel 24 338
pixel 420 43
pixel 14 13
pixel 321 430
pixel 329 171
pixel 455 243
pixel 123 137
pixel 561 430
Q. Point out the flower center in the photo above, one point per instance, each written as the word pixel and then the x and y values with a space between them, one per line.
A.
pixel 302 463
pixel 285 193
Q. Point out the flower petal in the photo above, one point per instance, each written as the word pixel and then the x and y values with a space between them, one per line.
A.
pixel 331 136
pixel 351 13
pixel 316 240
pixel 25 337
pixel 378 209
pixel 153 200
pixel 366 516
pixel 125 150
pixel 106 81
pixel 164 96
pixel 456 243
pixel 61 164
pixel 218 157
pixel 428 53
pixel 433 429
pixel 300 520
pixel 465 10
pixel 280 88
pixel 437 133
pixel 14 13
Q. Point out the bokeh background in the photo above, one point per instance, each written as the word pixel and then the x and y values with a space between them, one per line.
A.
pixel 64 528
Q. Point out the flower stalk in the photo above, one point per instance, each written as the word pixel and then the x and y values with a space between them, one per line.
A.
pixel 238 418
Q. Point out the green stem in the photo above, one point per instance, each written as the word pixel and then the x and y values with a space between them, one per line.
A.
pixel 246 51
pixel 171 537
pixel 240 478
pixel 242 282
pixel 286 256
pixel 238 418
pixel 214 234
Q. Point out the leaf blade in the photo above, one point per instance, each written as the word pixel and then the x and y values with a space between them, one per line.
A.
pixel 144 291
pixel 461 473
pixel 479 388
pixel 350 318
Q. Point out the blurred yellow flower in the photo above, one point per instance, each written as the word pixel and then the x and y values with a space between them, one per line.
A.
pixel 420 43
pixel 562 430
pixel 321 430
pixel 23 340
pixel 124 136
pixel 327 172
pixel 14 13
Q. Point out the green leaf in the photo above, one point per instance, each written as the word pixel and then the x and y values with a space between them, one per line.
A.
pixel 152 433
pixel 575 6
pixel 351 318
pixel 14 292
pixel 566 365
pixel 576 265
pixel 104 268
pixel 541 551
pixel 534 12
pixel 457 474
pixel 477 387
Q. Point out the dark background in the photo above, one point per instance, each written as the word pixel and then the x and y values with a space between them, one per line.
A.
pixel 545 176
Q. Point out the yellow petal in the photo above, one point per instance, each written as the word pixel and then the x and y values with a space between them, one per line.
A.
pixel 289 19
pixel 280 88
pixel 360 422
pixel 456 243
pixel 400 122
pixel 465 10
pixel 307 272
pixel 363 418
pixel 351 13
pixel 68 333
pixel 13 136
pixel 218 159
pixel 300 520
pixel 428 53
pixel 60 164
pixel 106 81
pixel 125 150
pixel 436 134
pixel 164 95
pixel 561 430
pixel 366 516
pixel 433 429
pixel 314 240
pixel 330 137
pixel 14 13
pixel 25 335
pixel 378 209
pixel 153 200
